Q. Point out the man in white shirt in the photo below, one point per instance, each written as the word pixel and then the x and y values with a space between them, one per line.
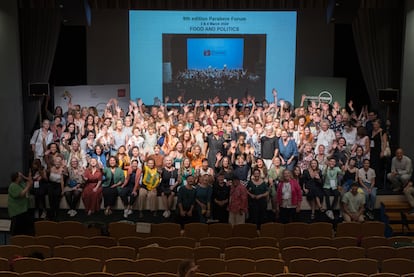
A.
pixel 40 140
pixel 354 203
pixel 401 170
pixel 244 128
pixel 325 137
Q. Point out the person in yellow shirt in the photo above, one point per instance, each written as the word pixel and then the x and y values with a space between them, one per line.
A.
pixel 150 181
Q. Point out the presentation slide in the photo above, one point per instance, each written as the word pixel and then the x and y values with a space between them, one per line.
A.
pixel 218 53
pixel 203 54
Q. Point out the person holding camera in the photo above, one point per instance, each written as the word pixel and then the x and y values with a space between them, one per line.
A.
pixel 40 140
pixel 18 204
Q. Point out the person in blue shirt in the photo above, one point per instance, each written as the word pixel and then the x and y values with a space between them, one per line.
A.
pixel 203 198
pixel 288 151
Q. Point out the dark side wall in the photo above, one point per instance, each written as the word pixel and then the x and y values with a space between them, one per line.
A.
pixel 11 111
pixel 407 84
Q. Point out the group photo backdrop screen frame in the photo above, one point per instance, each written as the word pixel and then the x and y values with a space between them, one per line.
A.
pixel 203 54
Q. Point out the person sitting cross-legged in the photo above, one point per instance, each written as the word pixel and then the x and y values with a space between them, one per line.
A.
pixel 354 203
pixel 401 169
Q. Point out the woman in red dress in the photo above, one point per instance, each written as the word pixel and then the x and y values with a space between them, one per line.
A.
pixel 92 193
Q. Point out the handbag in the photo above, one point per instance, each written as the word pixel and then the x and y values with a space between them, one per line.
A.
pixel 387 149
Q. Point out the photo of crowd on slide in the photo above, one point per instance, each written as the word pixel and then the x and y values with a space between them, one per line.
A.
pixel 198 66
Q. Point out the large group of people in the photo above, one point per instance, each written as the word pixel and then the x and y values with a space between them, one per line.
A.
pixel 208 161
pixel 214 80
pixel 213 74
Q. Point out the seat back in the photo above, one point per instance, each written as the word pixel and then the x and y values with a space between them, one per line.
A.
pixel 119 265
pixel 211 265
pixel 25 264
pixel 363 265
pixel 222 230
pixel 270 266
pixel 248 230
pixel 196 230
pixel 304 266
pixel 167 230
pixel 86 265
pixel 240 266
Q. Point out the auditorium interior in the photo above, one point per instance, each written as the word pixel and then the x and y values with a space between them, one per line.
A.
pixel 368 43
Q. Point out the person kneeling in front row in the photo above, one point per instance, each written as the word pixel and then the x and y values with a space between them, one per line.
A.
pixel 354 203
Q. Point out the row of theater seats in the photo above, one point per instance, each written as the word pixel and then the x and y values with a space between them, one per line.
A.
pixel 138 242
pixel 377 253
pixel 166 274
pixel 200 230
pixel 365 242
pixel 211 266
pixel 220 248
pixel 146 266
pixel 338 266
pixel 164 253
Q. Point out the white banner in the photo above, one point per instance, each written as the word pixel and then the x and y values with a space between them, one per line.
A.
pixel 96 96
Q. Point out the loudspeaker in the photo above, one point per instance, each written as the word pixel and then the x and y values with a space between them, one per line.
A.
pixel 38 89
pixel 342 11
pixel 389 95
pixel 76 12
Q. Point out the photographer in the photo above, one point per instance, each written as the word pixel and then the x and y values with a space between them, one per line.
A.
pixel 40 140
pixel 18 204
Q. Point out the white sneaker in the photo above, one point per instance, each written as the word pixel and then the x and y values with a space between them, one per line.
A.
pixel 164 214
pixel 330 214
pixel 73 213
pixel 69 212
pixel 129 212
pixel 125 213
pixel 168 214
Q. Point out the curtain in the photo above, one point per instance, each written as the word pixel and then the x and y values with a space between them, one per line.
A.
pixel 206 4
pixel 377 35
pixel 39 32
